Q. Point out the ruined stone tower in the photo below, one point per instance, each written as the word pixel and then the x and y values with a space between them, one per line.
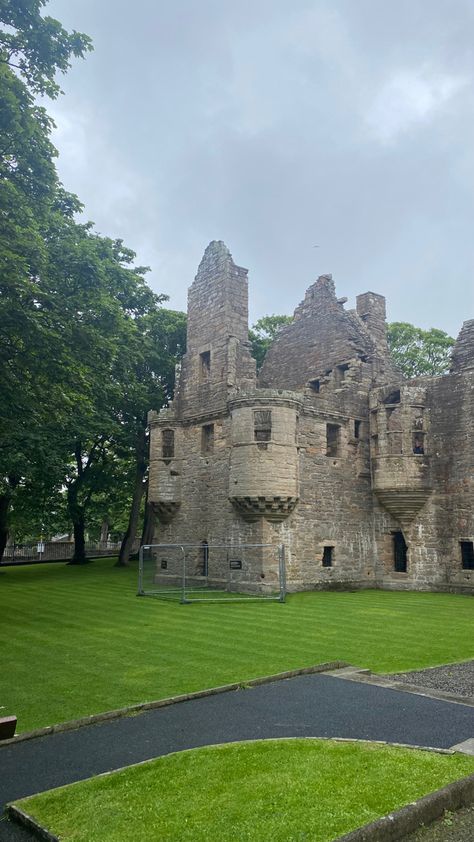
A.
pixel 367 479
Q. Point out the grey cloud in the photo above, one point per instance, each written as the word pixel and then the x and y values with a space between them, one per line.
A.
pixel 275 126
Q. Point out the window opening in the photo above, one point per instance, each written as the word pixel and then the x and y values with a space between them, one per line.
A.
pixel 328 556
pixel 332 439
pixel 341 373
pixel 167 444
pixel 207 438
pixel 393 397
pixel 204 560
pixel 399 553
pixel 467 555
pixel 315 386
pixel 357 428
pixel 205 366
pixel 262 422
pixel 418 444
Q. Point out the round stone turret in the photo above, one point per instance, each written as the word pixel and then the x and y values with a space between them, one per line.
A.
pixel 263 480
pixel 164 490
pixel 399 428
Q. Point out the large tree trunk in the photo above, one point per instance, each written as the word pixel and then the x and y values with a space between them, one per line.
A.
pixel 104 531
pixel 4 507
pixel 76 513
pixel 148 532
pixel 129 537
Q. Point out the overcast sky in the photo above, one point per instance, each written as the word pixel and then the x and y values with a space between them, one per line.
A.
pixel 278 125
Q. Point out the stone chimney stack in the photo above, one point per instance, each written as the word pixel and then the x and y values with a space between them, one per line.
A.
pixel 370 308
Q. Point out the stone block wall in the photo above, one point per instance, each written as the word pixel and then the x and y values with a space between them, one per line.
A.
pixel 365 478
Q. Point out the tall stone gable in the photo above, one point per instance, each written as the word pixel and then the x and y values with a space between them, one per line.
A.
pixel 366 478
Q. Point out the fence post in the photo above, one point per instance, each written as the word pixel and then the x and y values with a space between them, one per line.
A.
pixel 140 569
pixel 281 559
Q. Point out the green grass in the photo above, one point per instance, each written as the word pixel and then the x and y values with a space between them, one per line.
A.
pixel 278 790
pixel 77 640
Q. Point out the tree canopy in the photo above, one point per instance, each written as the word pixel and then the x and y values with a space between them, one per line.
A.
pixel 86 347
pixel 419 352
pixel 262 334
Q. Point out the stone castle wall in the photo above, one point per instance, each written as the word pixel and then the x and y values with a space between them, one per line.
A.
pixel 366 479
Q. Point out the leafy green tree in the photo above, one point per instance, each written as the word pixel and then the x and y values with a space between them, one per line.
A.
pixel 263 333
pixel 162 343
pixel 37 47
pixel 419 352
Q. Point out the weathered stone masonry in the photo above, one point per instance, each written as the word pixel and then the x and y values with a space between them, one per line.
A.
pixel 366 478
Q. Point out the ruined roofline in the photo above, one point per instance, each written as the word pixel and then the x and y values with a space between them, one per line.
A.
pixel 216 262
pixel 462 357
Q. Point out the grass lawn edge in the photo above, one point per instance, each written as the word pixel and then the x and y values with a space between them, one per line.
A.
pixel 118 713
pixel 392 826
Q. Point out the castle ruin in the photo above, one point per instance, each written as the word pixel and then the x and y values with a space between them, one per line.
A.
pixel 366 478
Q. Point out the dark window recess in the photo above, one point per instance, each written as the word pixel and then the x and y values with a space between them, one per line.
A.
pixel 205 366
pixel 418 444
pixel 262 422
pixel 164 564
pixel 207 438
pixel 467 555
pixel 328 556
pixel 235 564
pixel 341 373
pixel 204 560
pixel 393 397
pixel 357 426
pixel 399 553
pixel 332 439
pixel 167 444
pixel 315 386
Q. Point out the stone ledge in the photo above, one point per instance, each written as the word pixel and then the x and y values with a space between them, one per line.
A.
pixel 20 817
pixel 74 724
pixel 398 824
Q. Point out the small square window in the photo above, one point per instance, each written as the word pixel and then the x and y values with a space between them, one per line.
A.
pixel 328 553
pixel 167 444
pixel 207 438
pixel 340 373
pixel 332 439
pixel 205 367
pixel 262 422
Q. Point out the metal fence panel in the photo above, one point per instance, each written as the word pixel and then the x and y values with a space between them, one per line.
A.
pixel 212 572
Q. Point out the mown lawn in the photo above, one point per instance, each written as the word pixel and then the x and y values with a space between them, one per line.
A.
pixel 278 790
pixel 77 641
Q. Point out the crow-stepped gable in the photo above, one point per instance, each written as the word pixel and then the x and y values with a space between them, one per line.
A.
pixel 365 477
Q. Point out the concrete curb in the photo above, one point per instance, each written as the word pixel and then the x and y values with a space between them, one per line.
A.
pixel 397 825
pixel 394 826
pixel 30 823
pixel 368 677
pixel 74 724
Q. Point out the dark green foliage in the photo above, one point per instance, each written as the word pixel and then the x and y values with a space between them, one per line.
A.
pixel 37 46
pixel 263 333
pixel 419 352
pixel 85 347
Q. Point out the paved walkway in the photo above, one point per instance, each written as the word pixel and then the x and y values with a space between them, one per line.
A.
pixel 306 706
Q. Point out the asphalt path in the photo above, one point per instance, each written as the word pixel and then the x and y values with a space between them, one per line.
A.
pixel 306 706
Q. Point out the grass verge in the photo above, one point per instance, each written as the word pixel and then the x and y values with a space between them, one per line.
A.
pixel 266 790
pixel 77 640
